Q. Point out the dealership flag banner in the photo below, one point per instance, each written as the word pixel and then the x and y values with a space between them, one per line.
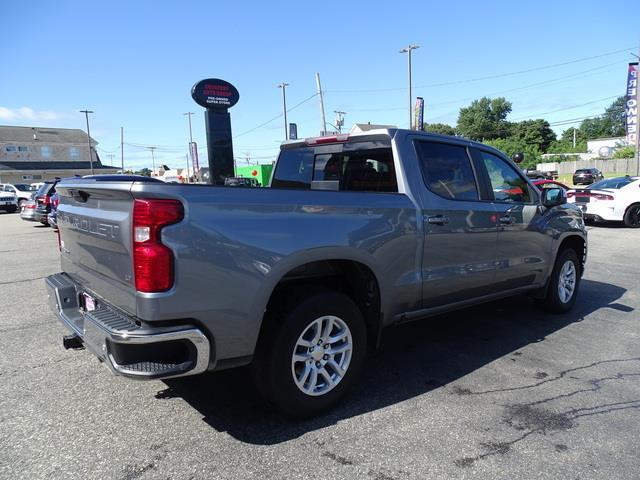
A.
pixel 631 104
pixel 193 147
pixel 419 114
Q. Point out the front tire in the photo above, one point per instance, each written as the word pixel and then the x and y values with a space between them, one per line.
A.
pixel 632 216
pixel 312 355
pixel 563 284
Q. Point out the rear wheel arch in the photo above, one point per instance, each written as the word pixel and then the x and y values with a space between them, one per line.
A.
pixel 349 277
pixel 631 217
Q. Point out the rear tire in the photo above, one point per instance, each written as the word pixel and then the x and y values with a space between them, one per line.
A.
pixel 311 355
pixel 632 216
pixel 563 284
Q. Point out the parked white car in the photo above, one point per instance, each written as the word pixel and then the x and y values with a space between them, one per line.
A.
pixel 23 191
pixel 612 199
pixel 8 202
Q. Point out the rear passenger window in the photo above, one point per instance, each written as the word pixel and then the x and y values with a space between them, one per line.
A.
pixel 362 170
pixel 447 170
pixel 506 183
pixel 293 169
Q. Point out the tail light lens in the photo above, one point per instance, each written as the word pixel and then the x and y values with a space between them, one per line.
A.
pixel 43 200
pixel 601 196
pixel 570 194
pixel 153 261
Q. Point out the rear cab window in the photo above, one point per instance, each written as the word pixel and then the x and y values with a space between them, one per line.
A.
pixel 447 170
pixel 365 166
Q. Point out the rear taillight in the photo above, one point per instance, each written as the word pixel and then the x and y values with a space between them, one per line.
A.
pixel 602 196
pixel 43 200
pixel 570 194
pixel 153 261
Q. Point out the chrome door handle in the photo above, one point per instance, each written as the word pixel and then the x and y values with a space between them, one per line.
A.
pixel 438 220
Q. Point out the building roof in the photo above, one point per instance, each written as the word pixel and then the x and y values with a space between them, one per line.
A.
pixel 23 166
pixel 13 134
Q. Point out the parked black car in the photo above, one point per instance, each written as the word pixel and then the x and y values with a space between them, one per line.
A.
pixel 43 201
pixel 587 176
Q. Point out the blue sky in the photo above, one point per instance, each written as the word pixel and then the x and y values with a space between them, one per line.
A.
pixel 134 63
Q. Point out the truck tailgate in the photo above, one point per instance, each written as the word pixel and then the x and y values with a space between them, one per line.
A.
pixel 94 218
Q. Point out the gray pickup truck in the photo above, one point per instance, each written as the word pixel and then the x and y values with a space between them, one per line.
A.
pixel 354 233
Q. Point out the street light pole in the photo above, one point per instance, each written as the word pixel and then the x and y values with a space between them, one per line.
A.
pixel 153 160
pixel 408 51
pixel 190 134
pixel 283 86
pixel 86 115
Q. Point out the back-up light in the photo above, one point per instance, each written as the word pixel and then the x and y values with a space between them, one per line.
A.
pixel 330 139
pixel 153 261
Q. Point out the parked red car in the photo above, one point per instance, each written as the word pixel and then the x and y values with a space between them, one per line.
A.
pixel 541 184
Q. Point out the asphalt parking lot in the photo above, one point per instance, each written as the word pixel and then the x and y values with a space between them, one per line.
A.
pixel 499 391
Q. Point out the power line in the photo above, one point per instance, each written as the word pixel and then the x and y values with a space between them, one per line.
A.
pixel 522 87
pixel 274 118
pixel 487 77
pixel 566 108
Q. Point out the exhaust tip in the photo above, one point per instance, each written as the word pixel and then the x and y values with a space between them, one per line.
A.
pixel 73 342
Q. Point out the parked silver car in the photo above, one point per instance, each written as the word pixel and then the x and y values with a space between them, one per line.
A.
pixel 28 211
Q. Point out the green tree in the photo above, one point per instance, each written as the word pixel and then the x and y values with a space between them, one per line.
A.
pixel 625 152
pixel 567 135
pixel 144 171
pixel 441 128
pixel 485 119
pixel 566 146
pixel 511 145
pixel 535 132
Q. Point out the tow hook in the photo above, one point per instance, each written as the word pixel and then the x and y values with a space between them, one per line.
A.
pixel 72 341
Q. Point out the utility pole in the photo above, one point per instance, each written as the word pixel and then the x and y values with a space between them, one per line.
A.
pixel 188 114
pixel 86 115
pixel 186 157
pixel 408 50
pixel 324 121
pixel 637 145
pixel 122 148
pixel 153 160
pixel 283 86
pixel 339 119
pixel 111 155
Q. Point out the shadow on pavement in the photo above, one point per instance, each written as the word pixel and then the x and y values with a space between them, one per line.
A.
pixel 414 359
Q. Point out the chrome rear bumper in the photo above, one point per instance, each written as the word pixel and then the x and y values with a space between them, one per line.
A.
pixel 126 346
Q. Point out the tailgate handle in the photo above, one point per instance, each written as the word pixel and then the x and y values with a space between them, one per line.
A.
pixel 79 195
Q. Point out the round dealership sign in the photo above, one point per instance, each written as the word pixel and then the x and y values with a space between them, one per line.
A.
pixel 215 94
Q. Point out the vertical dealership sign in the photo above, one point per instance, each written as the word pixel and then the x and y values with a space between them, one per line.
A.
pixel 193 150
pixel 631 104
pixel 419 114
pixel 217 96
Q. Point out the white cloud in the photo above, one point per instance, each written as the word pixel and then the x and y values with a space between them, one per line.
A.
pixel 27 114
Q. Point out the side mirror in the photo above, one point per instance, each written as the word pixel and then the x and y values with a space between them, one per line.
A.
pixel 518 157
pixel 552 197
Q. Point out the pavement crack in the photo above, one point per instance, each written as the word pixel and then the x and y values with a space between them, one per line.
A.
pixel 465 391
pixel 22 281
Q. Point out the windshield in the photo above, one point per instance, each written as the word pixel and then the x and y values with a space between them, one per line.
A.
pixel 612 183
pixel 25 188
